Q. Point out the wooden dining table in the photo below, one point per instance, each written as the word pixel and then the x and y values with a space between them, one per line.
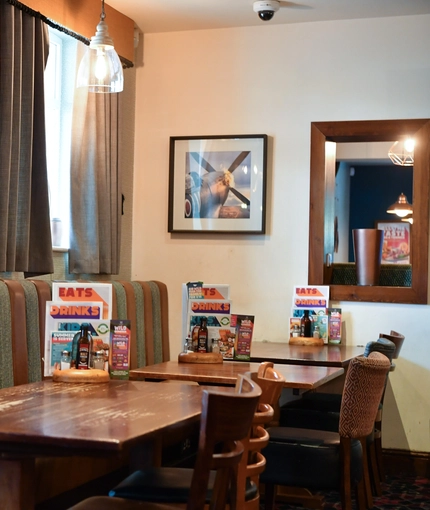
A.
pixel 62 419
pixel 297 377
pixel 327 355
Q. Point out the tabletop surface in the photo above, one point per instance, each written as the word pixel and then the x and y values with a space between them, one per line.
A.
pixel 325 355
pixel 296 376
pixel 92 417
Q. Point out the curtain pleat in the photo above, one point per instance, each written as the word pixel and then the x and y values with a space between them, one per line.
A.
pixel 25 234
pixel 95 184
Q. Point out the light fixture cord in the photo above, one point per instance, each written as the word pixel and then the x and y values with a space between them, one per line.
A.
pixel 103 15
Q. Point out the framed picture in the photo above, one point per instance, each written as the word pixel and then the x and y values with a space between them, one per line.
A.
pixel 396 247
pixel 217 184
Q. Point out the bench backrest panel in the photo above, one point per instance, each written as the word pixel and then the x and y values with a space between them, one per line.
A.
pixel 22 325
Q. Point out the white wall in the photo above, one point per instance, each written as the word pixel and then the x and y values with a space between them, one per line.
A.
pixel 277 80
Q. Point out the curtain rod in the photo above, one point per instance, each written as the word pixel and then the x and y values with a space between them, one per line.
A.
pixel 125 62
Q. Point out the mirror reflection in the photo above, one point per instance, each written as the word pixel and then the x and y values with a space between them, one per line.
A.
pixel 367 184
pixel 331 223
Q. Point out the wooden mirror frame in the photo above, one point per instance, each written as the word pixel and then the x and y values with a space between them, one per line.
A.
pixel 321 218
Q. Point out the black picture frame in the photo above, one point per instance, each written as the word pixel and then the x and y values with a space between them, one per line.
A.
pixel 217 184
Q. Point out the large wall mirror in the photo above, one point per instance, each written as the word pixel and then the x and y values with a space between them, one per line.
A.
pixel 325 136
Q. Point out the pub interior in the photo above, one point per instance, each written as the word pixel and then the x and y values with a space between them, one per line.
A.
pixel 278 79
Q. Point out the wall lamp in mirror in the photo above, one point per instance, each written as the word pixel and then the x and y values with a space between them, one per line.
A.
pixel 408 219
pixel 325 137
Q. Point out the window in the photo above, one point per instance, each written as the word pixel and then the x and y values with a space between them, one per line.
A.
pixel 59 90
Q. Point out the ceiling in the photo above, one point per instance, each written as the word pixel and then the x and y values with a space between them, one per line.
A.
pixel 153 16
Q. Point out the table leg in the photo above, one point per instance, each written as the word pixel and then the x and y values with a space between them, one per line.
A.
pixel 17 486
pixel 146 454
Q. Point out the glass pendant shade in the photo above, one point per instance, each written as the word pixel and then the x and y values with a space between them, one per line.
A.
pixel 402 207
pixel 402 152
pixel 100 69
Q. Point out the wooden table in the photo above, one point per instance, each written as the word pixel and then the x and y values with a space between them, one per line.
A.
pixel 47 418
pixel 325 355
pixel 296 377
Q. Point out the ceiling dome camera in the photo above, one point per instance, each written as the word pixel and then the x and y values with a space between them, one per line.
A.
pixel 266 8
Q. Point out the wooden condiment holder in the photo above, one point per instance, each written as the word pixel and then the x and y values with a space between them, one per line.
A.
pixel 302 340
pixel 71 375
pixel 199 357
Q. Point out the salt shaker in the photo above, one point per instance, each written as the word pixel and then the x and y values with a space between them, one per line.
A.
pixel 65 361
pixel 99 360
pixel 215 346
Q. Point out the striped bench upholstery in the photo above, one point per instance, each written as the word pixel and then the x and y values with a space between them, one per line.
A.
pixel 22 325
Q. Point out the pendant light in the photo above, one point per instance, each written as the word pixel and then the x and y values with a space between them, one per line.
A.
pixel 402 152
pixel 100 69
pixel 402 207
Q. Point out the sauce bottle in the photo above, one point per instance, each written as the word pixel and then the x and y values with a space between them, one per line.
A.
pixel 195 338
pixel 305 324
pixel 84 347
pixel 203 336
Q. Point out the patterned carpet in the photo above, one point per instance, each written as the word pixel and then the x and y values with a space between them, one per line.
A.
pixel 398 494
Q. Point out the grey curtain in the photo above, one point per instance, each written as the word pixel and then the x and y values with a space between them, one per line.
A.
pixel 95 183
pixel 25 235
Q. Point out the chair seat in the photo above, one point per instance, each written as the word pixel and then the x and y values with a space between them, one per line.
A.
pixel 106 503
pixel 309 418
pixel 167 485
pixel 309 452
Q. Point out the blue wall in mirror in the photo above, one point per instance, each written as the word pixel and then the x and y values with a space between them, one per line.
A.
pixel 373 189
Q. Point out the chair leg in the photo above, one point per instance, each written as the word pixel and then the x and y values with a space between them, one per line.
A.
pixel 378 451
pixel 366 478
pixel 345 481
pixel 374 469
pixel 360 496
pixel 269 496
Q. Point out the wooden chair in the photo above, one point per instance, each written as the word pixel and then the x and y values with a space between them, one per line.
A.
pixel 226 421
pixel 172 484
pixel 253 461
pixel 322 460
pixel 397 339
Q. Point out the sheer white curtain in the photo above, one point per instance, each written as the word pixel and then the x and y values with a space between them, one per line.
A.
pixel 95 183
pixel 25 235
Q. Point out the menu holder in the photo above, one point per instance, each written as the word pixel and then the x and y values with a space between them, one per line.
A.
pixel 71 375
pixel 301 340
pixel 199 357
